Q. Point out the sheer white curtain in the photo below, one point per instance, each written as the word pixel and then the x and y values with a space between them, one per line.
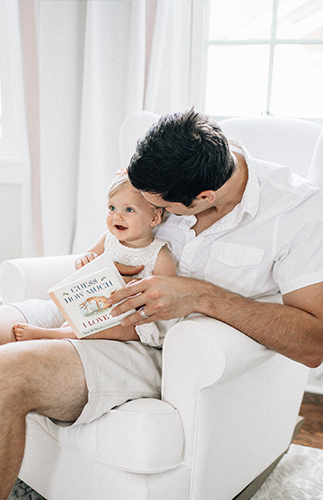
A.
pixel 91 70
pixel 168 82
pixel 95 62
pixel 13 77
pixel 177 66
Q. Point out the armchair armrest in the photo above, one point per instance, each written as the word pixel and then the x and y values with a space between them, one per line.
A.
pixel 234 396
pixel 22 279
pixel 212 352
pixel 200 351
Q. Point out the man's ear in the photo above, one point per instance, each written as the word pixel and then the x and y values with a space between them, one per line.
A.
pixel 208 195
pixel 157 217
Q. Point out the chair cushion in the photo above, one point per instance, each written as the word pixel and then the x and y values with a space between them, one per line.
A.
pixel 143 435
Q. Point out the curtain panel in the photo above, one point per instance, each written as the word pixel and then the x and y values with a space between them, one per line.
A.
pixel 84 66
pixel 91 70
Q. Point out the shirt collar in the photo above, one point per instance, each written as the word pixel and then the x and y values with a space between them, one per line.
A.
pixel 250 199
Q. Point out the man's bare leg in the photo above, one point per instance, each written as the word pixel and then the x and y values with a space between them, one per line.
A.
pixel 9 315
pixel 45 376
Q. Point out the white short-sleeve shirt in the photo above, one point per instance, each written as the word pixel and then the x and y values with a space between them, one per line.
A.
pixel 271 242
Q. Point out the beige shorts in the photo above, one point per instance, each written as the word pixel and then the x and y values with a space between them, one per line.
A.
pixel 115 371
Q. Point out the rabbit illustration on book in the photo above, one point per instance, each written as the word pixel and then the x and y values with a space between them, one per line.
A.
pixel 100 304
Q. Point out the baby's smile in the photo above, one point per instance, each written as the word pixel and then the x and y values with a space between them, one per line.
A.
pixel 120 228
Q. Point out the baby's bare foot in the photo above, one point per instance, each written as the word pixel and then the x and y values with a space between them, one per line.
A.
pixel 24 331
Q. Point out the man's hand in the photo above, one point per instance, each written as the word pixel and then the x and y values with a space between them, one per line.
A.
pixel 162 298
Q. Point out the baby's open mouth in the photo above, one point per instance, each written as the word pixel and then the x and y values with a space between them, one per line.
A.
pixel 120 228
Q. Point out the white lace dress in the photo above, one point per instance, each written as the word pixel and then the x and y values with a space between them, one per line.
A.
pixel 151 333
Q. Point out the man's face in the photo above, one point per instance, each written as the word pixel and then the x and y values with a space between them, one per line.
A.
pixel 173 207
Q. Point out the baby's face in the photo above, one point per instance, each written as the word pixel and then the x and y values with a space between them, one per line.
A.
pixel 130 218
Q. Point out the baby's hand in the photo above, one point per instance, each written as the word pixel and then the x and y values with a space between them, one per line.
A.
pixel 85 259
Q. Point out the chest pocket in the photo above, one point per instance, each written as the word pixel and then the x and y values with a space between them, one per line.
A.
pixel 233 267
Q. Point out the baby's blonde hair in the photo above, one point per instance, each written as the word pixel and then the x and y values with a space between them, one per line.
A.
pixel 119 182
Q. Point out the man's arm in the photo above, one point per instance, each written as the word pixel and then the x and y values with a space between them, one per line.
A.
pixel 294 329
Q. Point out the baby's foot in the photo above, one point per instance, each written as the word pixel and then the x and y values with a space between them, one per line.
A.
pixel 23 331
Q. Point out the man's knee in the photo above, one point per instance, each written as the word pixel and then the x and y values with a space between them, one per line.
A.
pixel 43 375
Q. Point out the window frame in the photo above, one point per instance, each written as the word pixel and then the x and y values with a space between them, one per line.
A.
pixel 272 42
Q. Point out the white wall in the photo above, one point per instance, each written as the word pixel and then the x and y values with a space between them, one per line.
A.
pixel 10 222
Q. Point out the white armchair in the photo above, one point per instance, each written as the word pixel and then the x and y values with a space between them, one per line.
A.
pixel 229 406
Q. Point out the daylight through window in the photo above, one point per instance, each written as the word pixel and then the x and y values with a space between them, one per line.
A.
pixel 265 57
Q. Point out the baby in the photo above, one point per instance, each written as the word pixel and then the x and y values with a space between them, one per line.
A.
pixel 130 241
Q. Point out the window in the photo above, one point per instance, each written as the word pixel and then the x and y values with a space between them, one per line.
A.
pixel 265 57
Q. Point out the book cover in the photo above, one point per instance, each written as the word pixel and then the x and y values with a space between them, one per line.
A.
pixel 83 297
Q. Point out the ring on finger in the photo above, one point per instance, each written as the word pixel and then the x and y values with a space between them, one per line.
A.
pixel 143 314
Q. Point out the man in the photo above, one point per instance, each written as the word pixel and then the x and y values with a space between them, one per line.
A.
pixel 252 229
pixel 247 231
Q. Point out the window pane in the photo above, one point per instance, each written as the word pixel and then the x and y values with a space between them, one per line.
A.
pixel 298 81
pixel 237 80
pixel 238 20
pixel 300 19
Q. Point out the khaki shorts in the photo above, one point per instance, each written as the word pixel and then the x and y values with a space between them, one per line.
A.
pixel 115 371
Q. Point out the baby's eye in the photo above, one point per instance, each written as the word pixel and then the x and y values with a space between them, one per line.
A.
pixel 129 209
pixel 111 208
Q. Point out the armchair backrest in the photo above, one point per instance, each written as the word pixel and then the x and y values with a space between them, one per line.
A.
pixel 316 169
pixel 282 140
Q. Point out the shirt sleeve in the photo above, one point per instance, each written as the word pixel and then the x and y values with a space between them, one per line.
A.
pixel 299 260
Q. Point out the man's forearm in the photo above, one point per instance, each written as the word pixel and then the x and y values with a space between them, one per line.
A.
pixel 288 330
pixel 295 329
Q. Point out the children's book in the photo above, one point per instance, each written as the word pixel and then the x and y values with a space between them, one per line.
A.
pixel 82 298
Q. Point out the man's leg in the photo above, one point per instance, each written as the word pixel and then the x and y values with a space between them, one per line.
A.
pixel 44 376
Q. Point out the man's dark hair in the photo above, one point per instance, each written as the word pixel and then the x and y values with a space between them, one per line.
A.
pixel 181 155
